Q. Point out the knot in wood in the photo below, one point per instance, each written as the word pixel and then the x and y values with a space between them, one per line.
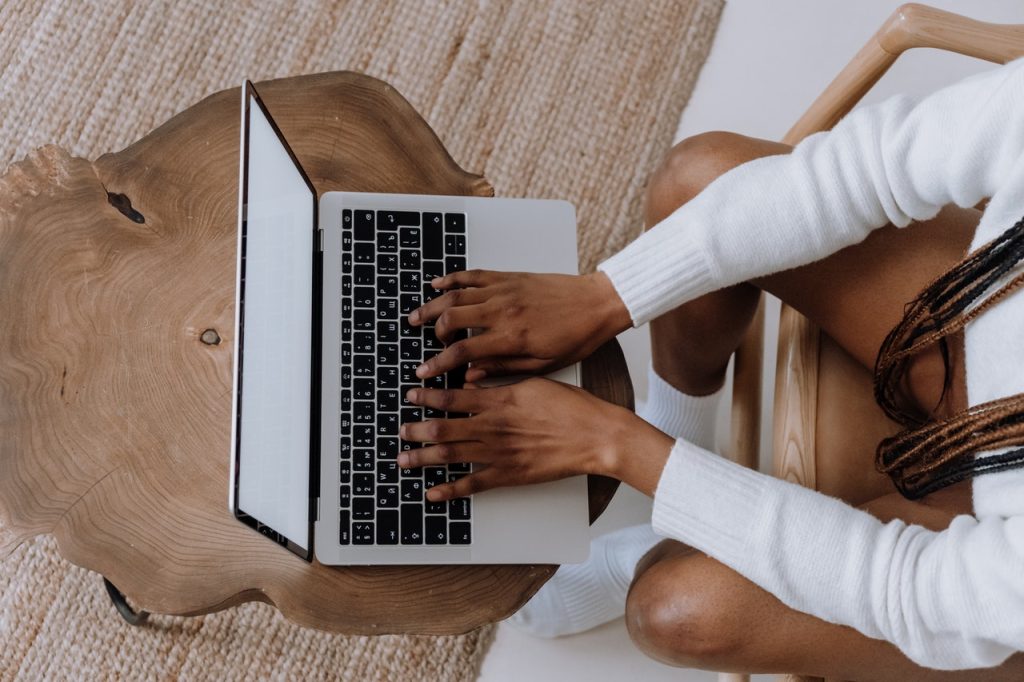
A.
pixel 210 337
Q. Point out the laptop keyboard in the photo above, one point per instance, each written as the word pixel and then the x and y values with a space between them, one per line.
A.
pixel 387 262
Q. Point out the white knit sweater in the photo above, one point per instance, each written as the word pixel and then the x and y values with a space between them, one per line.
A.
pixel 951 599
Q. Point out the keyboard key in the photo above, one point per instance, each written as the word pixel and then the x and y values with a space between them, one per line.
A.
pixel 387 496
pixel 346 330
pixel 387 425
pixel 433 235
pixel 387 331
pixel 362 436
pixel 409 302
pixel 387 309
pixel 387 448
pixel 387 377
pixel 409 238
pixel 345 472
pixel 346 376
pixel 432 269
pixel 362 533
pixel 411 415
pixel 437 530
pixel 362 509
pixel 409 259
pixel 458 508
pixel 364 252
pixel 412 490
pixel 346 309
pixel 362 412
pixel 362 484
pixel 409 331
pixel 364 229
pixel 409 282
pixel 346 263
pixel 364 389
pixel 412 524
pixel 387 286
pixel 387 526
pixel 363 460
pixel 430 340
pixel 455 264
pixel 387 242
pixel 411 349
pixel 363 342
pixel 362 365
pixel 455 244
pixel 459 533
pixel 345 496
pixel 390 220
pixel 408 375
pixel 387 354
pixel 364 320
pixel 346 285
pixel 387 472
pixel 459 467
pixel 364 275
pixel 387 263
pixel 346 447
pixel 431 477
pixel 344 532
pixel 363 297
pixel 346 219
pixel 455 222
pixel 387 401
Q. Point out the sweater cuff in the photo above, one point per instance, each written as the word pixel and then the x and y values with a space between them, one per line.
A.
pixel 661 269
pixel 709 503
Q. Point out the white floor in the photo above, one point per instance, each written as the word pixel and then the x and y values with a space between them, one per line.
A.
pixel 769 61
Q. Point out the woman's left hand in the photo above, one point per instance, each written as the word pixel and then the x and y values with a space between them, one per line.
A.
pixel 529 432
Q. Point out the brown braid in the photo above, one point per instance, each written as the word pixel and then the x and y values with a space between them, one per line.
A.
pixel 928 455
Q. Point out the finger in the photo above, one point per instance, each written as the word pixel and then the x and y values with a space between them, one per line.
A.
pixel 504 366
pixel 451 320
pixel 473 374
pixel 478 481
pixel 443 453
pixel 431 310
pixel 467 278
pixel 448 400
pixel 460 353
pixel 439 430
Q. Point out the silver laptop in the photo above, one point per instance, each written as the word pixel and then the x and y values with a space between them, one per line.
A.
pixel 324 356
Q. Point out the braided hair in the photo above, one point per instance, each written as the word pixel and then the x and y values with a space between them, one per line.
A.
pixel 931 454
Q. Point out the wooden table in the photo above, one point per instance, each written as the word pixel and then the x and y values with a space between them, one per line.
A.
pixel 117 292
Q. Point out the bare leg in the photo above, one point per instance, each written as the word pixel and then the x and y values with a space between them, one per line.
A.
pixel 687 609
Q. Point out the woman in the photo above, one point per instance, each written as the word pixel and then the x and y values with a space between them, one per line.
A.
pixel 759 574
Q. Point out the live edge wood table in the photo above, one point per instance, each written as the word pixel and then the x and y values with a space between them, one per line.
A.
pixel 117 308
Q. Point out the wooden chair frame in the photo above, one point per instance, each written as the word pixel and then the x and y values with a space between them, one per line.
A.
pixel 796 380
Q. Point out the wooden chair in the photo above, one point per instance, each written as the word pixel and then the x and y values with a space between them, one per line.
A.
pixel 817 383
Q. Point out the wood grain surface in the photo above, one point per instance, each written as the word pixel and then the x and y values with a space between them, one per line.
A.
pixel 117 289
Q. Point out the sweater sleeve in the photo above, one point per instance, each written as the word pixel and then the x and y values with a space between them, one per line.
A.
pixel 898 161
pixel 951 600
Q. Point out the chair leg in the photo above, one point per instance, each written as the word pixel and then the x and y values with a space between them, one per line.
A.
pixel 131 616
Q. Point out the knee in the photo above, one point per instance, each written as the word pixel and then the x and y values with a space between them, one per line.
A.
pixel 689 167
pixel 678 612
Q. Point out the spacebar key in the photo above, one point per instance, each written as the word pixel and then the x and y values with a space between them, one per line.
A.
pixel 412 524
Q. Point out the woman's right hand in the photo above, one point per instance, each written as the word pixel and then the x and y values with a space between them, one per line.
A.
pixel 523 323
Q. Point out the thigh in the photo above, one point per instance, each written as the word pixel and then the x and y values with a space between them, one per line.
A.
pixel 687 609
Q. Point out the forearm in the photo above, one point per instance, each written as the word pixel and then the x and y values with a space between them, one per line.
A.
pixel 637 452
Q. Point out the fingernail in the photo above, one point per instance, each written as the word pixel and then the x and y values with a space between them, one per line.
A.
pixel 414 317
pixel 437 280
pixel 402 430
pixel 421 371
pixel 412 395
pixel 433 495
pixel 403 461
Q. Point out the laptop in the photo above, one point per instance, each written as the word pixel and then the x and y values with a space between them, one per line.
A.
pixel 324 356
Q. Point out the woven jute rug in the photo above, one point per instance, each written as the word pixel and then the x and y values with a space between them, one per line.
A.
pixel 572 100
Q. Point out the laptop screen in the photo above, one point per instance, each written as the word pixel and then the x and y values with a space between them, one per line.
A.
pixel 272 458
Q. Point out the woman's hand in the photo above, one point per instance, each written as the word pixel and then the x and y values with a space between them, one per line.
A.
pixel 523 323
pixel 533 431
